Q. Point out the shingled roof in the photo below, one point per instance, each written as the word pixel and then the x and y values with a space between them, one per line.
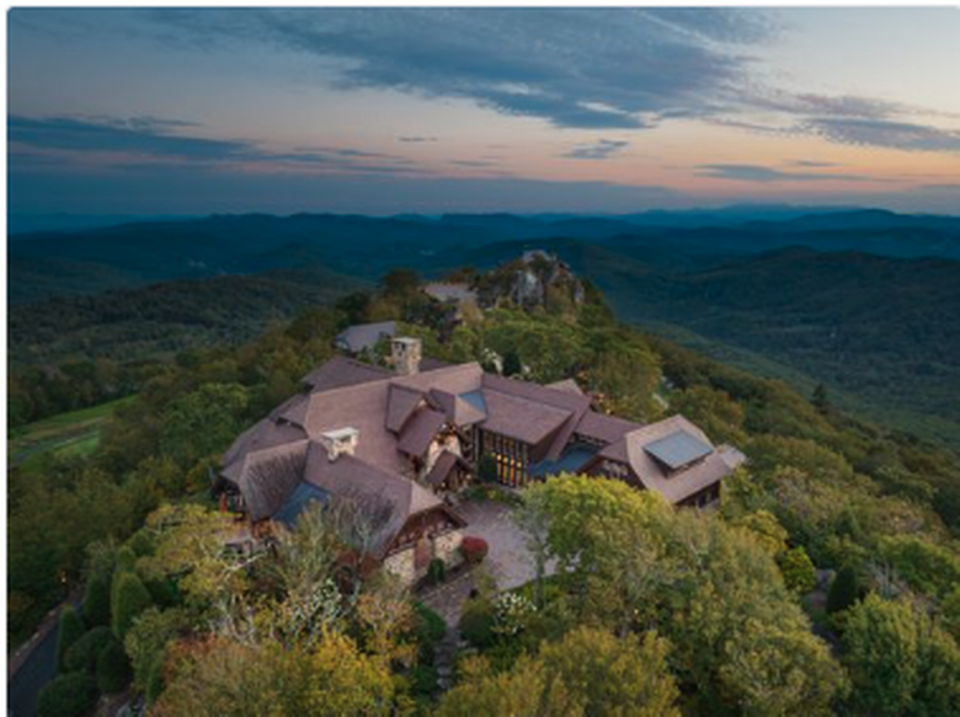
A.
pixel 683 483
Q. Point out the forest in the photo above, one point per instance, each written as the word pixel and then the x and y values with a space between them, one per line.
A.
pixel 655 611
pixel 860 301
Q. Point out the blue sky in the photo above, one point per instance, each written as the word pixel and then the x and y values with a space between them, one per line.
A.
pixel 384 111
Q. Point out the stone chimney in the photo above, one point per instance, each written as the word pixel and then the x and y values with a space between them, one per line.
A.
pixel 342 441
pixel 406 353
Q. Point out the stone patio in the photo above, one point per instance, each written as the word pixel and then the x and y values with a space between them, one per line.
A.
pixel 509 561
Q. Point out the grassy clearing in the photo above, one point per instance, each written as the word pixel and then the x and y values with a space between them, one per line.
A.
pixel 74 433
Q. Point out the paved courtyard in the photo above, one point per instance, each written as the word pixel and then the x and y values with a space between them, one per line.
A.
pixel 509 561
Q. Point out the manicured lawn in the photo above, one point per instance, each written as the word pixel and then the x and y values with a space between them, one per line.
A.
pixel 77 433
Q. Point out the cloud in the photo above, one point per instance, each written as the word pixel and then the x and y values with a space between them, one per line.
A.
pixel 812 163
pixel 601 149
pixel 141 143
pixel 416 140
pixel 886 133
pixel 758 173
pixel 596 69
pixel 138 135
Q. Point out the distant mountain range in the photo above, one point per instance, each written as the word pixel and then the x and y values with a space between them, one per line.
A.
pixel 866 301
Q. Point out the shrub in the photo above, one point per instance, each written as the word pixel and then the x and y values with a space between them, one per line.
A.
pixel 429 629
pixel 798 572
pixel 512 610
pixel 70 630
pixel 142 543
pixel 126 559
pixel 473 550
pixel 477 622
pixel 845 590
pixel 82 655
pixel 113 668
pixel 70 695
pixel 130 599
pixel 437 571
pixel 96 600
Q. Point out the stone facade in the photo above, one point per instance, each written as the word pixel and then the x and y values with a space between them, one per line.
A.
pixel 445 547
pixel 403 563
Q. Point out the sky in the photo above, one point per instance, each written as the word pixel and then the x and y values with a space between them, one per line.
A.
pixel 178 111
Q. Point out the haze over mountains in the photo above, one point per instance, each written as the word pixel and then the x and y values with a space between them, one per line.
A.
pixel 861 300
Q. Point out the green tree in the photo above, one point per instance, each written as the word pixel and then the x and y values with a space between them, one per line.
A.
pixel 70 630
pixel 147 641
pixel 82 654
pixel 204 422
pixel 820 399
pixel 131 598
pixel 70 695
pixel 96 600
pixel 400 283
pixel 845 589
pixel 900 662
pixel 798 572
pixel 604 675
pixel 113 668
pixel 714 411
pixel 512 366
pixel 588 672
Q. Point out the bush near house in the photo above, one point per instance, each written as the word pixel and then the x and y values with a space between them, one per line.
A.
pixel 473 550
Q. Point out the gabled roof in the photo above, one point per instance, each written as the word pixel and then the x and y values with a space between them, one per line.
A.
pixel 341 371
pixel 674 486
pixel 522 419
pixel 365 336
pixel 460 409
pixel 442 467
pixel 564 400
pixel 387 498
pixel 603 428
pixel 267 478
pixel 419 431
pixel 401 403
pixel 262 435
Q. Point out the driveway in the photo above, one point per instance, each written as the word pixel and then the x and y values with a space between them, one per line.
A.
pixel 508 561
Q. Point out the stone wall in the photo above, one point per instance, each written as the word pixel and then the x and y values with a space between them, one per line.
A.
pixel 445 547
pixel 403 562
pixel 402 565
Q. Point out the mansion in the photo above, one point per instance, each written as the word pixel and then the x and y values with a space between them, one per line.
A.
pixel 399 441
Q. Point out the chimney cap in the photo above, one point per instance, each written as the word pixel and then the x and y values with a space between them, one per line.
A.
pixel 340 434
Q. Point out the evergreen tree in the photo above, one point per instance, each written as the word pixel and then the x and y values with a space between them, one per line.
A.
pixel 512 366
pixel 130 599
pixel 70 630
pixel 820 400
pixel 113 668
pixel 845 590
pixel 96 601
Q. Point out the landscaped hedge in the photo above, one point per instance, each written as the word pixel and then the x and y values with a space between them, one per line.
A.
pixel 113 668
pixel 82 655
pixel 70 695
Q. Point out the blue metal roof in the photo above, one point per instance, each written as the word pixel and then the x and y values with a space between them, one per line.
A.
pixel 303 495
pixel 570 461
pixel 678 449
pixel 475 399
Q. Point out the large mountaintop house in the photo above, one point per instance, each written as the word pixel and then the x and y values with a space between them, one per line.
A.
pixel 397 442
